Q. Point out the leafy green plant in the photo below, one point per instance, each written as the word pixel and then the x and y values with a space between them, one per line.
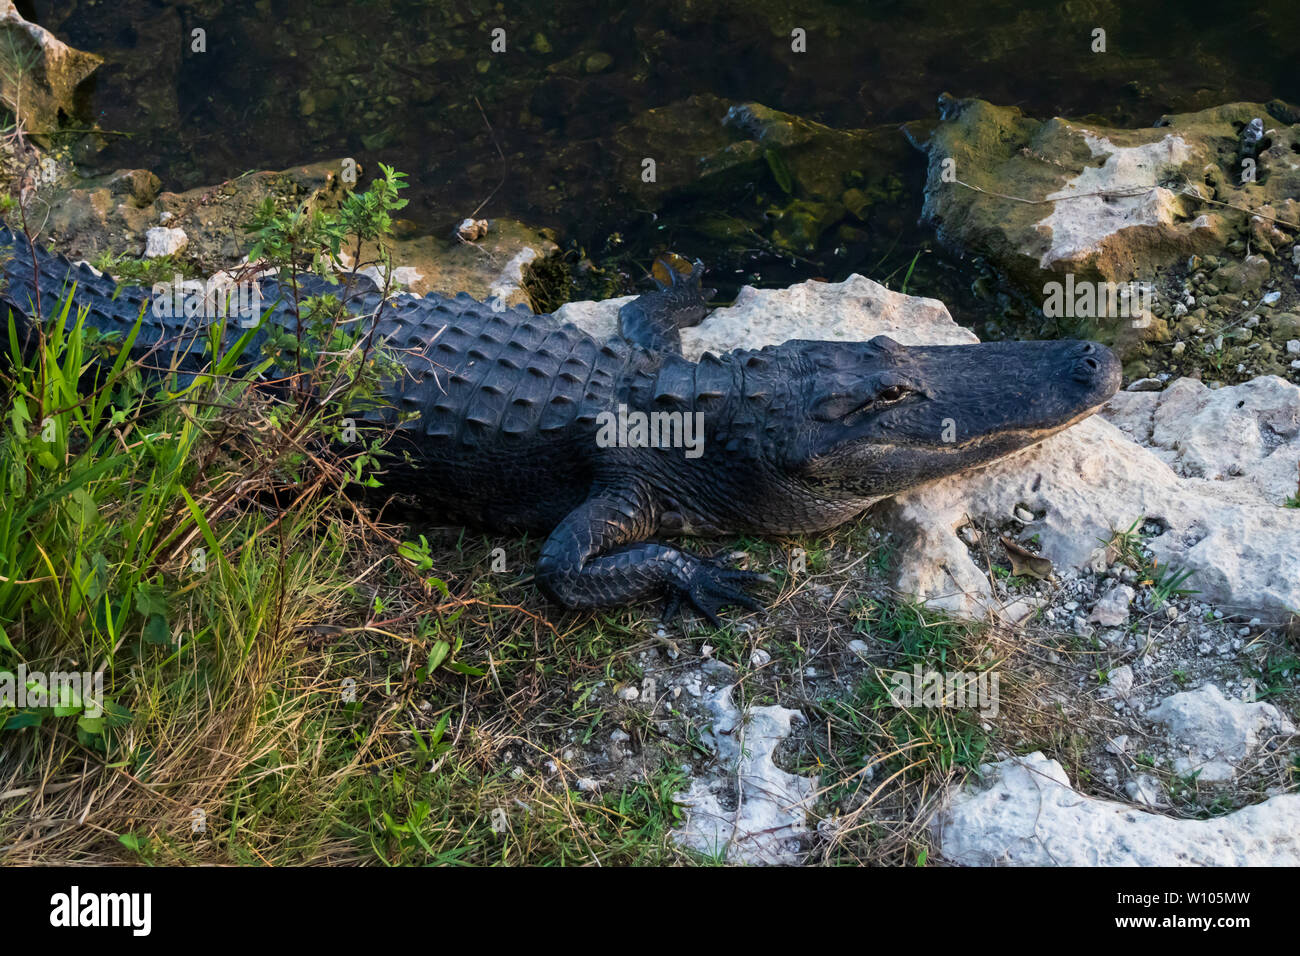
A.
pixel 144 272
pixel 780 171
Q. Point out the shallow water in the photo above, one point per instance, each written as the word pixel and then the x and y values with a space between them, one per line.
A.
pixel 531 133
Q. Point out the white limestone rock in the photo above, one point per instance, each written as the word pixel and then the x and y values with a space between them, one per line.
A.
pixel 1088 482
pixel 1217 733
pixel 1130 177
pixel 1025 813
pixel 1145 791
pixel 854 310
pixel 394 278
pixel 1119 683
pixel 770 817
pixel 1112 609
pixel 508 286
pixel 1247 434
pixel 164 241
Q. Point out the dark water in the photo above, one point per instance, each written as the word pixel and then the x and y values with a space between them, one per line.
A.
pixel 416 85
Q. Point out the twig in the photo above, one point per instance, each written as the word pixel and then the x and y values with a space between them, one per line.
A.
pixel 1108 194
pixel 1127 194
pixel 505 171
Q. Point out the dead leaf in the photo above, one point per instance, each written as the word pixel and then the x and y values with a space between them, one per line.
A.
pixel 1026 562
pixel 669 262
pixel 318 635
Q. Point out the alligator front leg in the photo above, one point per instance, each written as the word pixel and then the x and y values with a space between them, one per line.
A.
pixel 598 557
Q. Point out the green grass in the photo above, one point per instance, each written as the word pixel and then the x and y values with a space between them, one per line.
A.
pixel 882 757
pixel 1127 545
pixel 288 679
pixel 1166 583
pixel 285 685
pixel 144 272
pixel 1276 674
pixel 917 635
pixel 322 686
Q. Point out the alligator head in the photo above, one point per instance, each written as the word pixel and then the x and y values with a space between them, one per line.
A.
pixel 885 417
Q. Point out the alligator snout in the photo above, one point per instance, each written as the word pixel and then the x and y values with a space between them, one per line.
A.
pixel 1096 366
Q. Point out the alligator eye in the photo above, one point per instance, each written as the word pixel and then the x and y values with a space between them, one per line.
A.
pixel 891 394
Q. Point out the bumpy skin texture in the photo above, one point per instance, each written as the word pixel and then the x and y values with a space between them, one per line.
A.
pixel 501 420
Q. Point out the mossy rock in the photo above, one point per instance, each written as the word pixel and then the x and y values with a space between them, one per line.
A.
pixel 705 147
pixel 1285 326
pixel 798 226
pixel 497 265
pixel 1244 277
pixel 1039 199
pixel 39 73
pixel 112 213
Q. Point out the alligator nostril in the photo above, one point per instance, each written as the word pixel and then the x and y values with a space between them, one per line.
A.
pixel 1086 370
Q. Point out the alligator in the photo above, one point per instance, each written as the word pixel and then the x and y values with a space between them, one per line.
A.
pixel 517 422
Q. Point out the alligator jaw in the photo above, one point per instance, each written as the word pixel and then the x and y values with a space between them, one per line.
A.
pixel 898 417
pixel 1025 438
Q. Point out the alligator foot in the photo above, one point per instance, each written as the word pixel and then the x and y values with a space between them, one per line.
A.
pixel 598 557
pixel 709 587
pixel 655 319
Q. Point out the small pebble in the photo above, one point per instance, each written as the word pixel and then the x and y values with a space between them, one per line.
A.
pixel 1145 385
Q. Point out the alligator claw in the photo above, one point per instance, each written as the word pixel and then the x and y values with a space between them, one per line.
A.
pixel 712 587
